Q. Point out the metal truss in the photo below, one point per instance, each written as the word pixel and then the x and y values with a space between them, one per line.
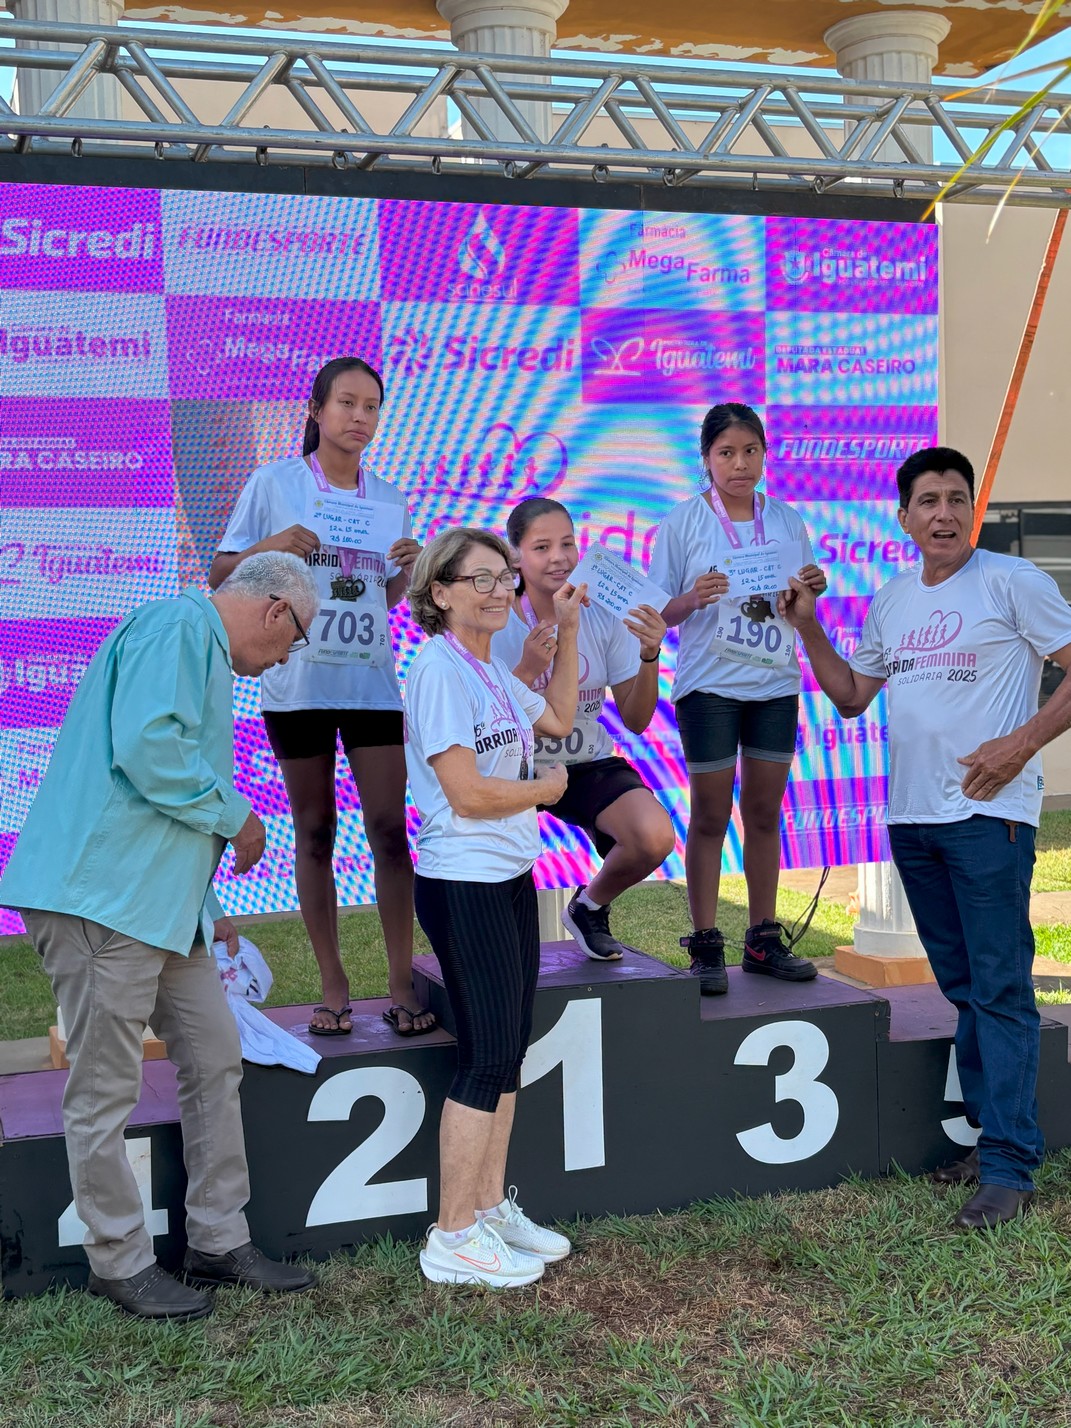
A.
pixel 608 120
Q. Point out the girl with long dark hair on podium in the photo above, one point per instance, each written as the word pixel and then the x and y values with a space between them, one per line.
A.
pixel 605 795
pixel 471 729
pixel 344 686
pixel 736 691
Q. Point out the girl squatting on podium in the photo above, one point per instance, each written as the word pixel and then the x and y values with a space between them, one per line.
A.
pixel 470 754
pixel 332 692
pixel 736 690
pixel 604 796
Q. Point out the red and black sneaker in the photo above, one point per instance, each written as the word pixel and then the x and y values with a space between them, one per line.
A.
pixel 766 953
pixel 707 951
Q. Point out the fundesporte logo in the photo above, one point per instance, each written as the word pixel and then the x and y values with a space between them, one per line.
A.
pixel 848 446
pixel 831 265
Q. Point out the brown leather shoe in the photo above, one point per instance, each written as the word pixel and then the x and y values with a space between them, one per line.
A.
pixel 993 1205
pixel 153 1294
pixel 248 1267
pixel 960 1172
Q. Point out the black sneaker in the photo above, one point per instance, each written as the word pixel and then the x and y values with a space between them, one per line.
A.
pixel 707 951
pixel 765 952
pixel 591 928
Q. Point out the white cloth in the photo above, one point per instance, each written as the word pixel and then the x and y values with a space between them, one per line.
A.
pixel 278 496
pixel 688 544
pixel 247 978
pixel 446 703
pixel 608 654
pixel 963 662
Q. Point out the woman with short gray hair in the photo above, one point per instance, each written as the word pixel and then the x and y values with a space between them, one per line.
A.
pixel 471 727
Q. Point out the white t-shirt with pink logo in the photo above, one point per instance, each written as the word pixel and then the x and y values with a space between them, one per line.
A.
pixel 608 654
pixel 962 661
pixel 447 703
pixel 278 496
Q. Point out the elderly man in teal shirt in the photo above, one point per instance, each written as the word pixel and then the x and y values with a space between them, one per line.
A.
pixel 112 873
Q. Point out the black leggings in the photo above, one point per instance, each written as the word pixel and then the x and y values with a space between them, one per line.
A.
pixel 486 937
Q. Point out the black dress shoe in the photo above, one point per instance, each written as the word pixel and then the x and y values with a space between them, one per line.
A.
pixel 960 1172
pixel 993 1205
pixel 153 1294
pixel 248 1267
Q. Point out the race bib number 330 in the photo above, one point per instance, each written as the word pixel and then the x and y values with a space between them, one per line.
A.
pixel 347 633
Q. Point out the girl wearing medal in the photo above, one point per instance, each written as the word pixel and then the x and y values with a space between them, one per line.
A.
pixel 344 685
pixel 736 690
pixel 605 796
pixel 471 729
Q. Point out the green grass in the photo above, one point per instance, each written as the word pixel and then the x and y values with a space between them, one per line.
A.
pixel 652 916
pixel 856 1306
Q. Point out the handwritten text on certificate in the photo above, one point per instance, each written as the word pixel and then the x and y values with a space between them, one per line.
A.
pixel 359 525
pixel 613 582
pixel 761 569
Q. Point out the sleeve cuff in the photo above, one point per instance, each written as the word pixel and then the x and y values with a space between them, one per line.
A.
pixel 236 810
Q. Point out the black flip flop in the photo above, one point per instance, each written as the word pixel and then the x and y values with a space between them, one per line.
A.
pixel 335 1030
pixel 390 1016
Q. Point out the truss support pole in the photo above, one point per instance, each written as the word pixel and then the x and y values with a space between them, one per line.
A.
pixel 103 98
pixel 898 45
pixel 891 45
pixel 506 27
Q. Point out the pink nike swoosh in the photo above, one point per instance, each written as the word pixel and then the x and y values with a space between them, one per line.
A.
pixel 492 1265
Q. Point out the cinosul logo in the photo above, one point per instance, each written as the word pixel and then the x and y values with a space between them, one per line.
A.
pixel 482 258
pixel 829 265
pixel 34 238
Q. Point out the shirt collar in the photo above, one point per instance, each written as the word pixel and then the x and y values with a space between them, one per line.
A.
pixel 215 624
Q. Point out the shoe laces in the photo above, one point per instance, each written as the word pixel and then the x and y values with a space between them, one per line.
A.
pixel 705 946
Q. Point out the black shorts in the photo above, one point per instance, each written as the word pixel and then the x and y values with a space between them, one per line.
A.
pixel 714 728
pixel 591 789
pixel 309 733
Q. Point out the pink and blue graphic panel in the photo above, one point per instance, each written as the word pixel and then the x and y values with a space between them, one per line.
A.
pixel 156 347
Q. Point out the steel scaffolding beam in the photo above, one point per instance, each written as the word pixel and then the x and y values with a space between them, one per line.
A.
pixel 610 120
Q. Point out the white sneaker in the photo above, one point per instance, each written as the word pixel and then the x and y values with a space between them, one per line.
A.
pixel 515 1229
pixel 482 1258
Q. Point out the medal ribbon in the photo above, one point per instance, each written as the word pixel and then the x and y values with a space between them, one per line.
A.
pixel 531 620
pixel 347 558
pixel 502 703
pixel 731 533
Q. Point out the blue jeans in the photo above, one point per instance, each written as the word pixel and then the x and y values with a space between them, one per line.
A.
pixel 968 885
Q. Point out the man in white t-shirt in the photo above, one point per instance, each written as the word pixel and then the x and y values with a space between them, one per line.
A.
pixel 960 643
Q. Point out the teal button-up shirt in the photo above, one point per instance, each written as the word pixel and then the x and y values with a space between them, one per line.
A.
pixel 133 812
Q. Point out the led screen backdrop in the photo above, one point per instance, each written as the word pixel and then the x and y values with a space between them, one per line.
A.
pixel 155 347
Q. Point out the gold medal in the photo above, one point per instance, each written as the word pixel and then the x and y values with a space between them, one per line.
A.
pixel 347 587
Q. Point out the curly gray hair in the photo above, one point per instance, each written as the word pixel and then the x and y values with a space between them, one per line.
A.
pixel 275 573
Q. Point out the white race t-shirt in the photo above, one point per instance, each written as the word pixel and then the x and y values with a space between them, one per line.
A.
pixel 608 654
pixel 963 663
pixel 278 496
pixel 690 541
pixel 447 703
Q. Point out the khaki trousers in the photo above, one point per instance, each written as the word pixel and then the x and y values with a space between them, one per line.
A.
pixel 109 988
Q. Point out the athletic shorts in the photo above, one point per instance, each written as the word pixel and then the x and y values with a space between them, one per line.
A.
pixel 713 729
pixel 308 733
pixel 591 789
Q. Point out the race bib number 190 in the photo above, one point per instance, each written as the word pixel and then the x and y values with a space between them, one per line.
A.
pixel 768 643
pixel 348 633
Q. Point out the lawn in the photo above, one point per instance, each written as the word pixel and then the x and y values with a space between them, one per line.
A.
pixel 653 917
pixel 849 1308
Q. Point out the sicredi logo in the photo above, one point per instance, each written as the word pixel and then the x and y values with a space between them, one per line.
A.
pixel 851 549
pixel 667 356
pixel 414 350
pixel 482 257
pixel 832 266
pixel 33 238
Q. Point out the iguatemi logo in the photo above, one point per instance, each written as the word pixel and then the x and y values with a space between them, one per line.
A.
pixel 482 258
pixel 830 265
